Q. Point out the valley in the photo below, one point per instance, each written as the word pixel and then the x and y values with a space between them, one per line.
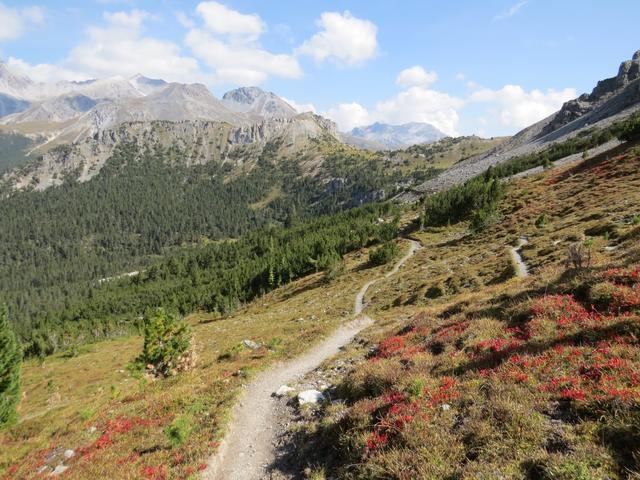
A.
pixel 238 288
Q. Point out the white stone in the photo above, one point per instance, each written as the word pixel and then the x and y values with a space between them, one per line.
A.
pixel 251 344
pixel 284 390
pixel 59 470
pixel 310 396
pixel 69 454
pixel 445 406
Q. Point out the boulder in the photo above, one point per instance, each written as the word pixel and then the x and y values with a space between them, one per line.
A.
pixel 284 390
pixel 310 396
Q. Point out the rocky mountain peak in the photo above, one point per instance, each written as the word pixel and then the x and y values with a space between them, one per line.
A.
pixel 257 103
pixel 247 95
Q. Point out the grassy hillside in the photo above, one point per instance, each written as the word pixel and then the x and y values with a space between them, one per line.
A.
pixel 465 360
pixel 472 373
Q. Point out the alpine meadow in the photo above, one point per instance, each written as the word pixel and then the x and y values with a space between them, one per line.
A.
pixel 247 241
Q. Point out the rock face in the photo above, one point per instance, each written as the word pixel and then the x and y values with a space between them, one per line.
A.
pixel 257 104
pixel 612 99
pixel 200 141
pixel 394 137
pixel 624 88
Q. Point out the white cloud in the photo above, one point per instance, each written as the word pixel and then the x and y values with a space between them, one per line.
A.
pixel 416 76
pixel 518 108
pixel 349 115
pixel 419 104
pixel 184 19
pixel 118 48
pixel 511 11
pixel 228 44
pixel 343 38
pixel 220 19
pixel 44 72
pixel 300 107
pixel 14 22
pixel 239 62
pixel 414 104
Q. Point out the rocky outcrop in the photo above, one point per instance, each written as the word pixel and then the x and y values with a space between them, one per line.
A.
pixel 624 88
pixel 197 142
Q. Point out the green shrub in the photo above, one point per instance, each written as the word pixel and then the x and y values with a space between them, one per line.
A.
pixel 384 253
pixel 483 218
pixel 178 431
pixel 480 194
pixel 542 220
pixel 10 361
pixel 415 387
pixel 166 343
pixel 335 270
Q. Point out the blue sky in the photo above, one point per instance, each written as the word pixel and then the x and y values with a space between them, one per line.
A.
pixel 489 67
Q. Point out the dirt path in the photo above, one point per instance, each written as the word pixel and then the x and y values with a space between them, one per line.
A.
pixel 520 266
pixel 248 450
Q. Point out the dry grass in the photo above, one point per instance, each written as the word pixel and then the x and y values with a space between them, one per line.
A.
pixel 93 404
pixel 470 373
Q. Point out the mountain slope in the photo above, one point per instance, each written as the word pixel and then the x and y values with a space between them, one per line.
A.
pixel 108 126
pixel 393 137
pixel 464 363
pixel 612 100
pixel 9 105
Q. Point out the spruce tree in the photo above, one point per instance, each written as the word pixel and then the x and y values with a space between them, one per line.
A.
pixel 10 360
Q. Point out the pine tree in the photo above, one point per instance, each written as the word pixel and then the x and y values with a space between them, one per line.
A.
pixel 10 360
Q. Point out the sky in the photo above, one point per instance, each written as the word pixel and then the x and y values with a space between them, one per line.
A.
pixel 488 67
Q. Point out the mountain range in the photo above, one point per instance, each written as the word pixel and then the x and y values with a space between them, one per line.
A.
pixel 91 118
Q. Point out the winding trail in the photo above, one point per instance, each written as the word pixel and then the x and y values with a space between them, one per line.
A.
pixel 248 450
pixel 521 267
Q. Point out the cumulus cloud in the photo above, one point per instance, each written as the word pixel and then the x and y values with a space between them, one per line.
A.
pixel 239 62
pixel 44 72
pixel 342 38
pixel 414 104
pixel 300 107
pixel 221 19
pixel 223 42
pixel 418 104
pixel 349 115
pixel 416 76
pixel 518 108
pixel 120 48
pixel 15 21
pixel 228 44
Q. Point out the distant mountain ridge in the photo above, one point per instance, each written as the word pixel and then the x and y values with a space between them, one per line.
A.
pixel 68 112
pixel 394 137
